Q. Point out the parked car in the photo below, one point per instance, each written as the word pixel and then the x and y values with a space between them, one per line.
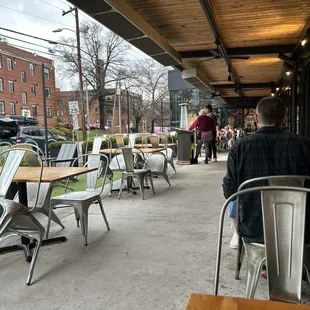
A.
pixel 11 131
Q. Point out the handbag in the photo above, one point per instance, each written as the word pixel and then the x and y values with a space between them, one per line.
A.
pixel 206 136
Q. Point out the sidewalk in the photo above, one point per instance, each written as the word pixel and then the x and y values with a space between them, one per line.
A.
pixel 158 251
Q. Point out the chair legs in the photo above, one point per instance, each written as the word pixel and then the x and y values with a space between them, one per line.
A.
pixel 240 256
pixel 103 214
pixel 122 185
pixel 165 176
pixel 172 165
pixel 141 185
pixel 41 232
pixel 256 258
pixel 152 184
pixel 111 186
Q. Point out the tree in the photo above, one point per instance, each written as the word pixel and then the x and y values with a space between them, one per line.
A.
pixel 153 79
pixel 102 59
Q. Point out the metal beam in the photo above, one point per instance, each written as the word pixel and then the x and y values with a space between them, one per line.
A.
pixel 246 85
pixel 241 51
pixel 210 15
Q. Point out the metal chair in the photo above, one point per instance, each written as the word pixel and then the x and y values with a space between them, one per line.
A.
pixel 131 172
pixel 144 138
pixel 81 200
pixel 132 139
pixel 156 162
pixel 285 180
pixel 168 151
pixel 119 138
pixel 42 202
pixel 154 139
pixel 15 218
pixel 284 210
pixel 97 142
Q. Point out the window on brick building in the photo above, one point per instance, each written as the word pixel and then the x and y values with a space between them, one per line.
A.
pixel 32 71
pixel 1 84
pixel 0 61
pixel 34 109
pixel 60 113
pixel 24 98
pixel 23 77
pixel 9 63
pixel 46 73
pixel 108 110
pixel 11 86
pixel 12 108
pixel 2 108
pixel 33 89
pixel 48 111
pixel 48 92
pixel 109 123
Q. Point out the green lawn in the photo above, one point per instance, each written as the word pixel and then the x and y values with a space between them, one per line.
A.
pixel 79 185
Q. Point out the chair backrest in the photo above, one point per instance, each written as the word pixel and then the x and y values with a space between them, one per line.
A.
pixel 98 161
pixel 144 138
pixel 128 158
pixel 132 139
pixel 284 215
pixel 67 151
pixel 156 162
pixel 119 140
pixel 12 159
pixel 164 137
pixel 285 209
pixel 154 139
pixel 31 157
pixel 97 145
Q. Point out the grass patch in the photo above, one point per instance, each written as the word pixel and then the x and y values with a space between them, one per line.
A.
pixel 79 185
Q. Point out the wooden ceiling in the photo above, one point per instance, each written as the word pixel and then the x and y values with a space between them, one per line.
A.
pixel 184 32
pixel 242 23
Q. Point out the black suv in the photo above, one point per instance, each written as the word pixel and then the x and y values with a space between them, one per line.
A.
pixel 20 131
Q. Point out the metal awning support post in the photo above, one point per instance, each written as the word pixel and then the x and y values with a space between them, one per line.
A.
pixel 44 112
pixel 294 101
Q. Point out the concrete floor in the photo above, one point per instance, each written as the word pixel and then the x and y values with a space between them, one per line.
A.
pixel 158 251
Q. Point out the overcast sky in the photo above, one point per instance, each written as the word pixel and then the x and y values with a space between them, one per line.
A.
pixel 39 18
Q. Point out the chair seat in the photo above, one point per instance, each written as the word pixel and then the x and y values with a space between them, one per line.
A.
pixel 81 196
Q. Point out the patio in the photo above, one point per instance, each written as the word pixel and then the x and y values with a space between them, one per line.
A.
pixel 158 251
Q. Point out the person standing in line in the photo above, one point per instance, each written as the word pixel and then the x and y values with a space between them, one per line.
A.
pixel 205 125
pixel 212 144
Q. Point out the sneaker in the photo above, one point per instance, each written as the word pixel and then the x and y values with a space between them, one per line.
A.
pixel 214 160
pixel 234 241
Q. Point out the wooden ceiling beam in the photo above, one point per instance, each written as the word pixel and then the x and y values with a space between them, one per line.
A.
pixel 241 51
pixel 245 85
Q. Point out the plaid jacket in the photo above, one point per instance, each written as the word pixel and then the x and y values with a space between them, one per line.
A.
pixel 268 152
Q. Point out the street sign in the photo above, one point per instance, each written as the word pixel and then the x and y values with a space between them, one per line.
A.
pixel 73 107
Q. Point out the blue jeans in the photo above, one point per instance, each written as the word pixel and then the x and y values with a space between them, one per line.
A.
pixel 232 209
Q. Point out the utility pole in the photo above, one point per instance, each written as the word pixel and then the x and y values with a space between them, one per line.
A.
pixel 78 45
pixel 87 106
pixel 162 116
pixel 119 111
pixel 114 106
pixel 128 110
pixel 44 112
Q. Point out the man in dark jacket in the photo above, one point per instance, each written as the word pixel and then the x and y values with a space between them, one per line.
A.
pixel 268 152
pixel 212 144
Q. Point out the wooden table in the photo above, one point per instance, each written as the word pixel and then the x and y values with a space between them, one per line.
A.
pixel 212 302
pixel 49 175
pixel 147 150
pixel 160 145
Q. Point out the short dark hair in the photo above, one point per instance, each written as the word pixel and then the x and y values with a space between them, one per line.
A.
pixel 271 111
pixel 209 107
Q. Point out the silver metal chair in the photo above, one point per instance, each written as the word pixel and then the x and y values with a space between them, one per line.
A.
pixel 15 218
pixel 97 142
pixel 81 200
pixel 131 172
pixel 284 210
pixel 119 138
pixel 279 180
pixel 154 139
pixel 168 151
pixel 156 162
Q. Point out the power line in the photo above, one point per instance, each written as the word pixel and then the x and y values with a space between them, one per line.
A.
pixel 52 5
pixel 62 2
pixel 51 21
pixel 5 36
pixel 37 38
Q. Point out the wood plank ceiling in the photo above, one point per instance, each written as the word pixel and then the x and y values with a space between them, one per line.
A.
pixel 243 23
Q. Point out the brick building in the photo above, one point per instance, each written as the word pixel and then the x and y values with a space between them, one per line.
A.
pixel 62 110
pixel 21 84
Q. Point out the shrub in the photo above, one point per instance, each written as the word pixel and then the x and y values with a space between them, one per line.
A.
pixel 56 131
pixel 57 145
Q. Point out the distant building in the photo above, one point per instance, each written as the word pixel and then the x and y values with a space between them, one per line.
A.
pixel 21 84
pixel 62 108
